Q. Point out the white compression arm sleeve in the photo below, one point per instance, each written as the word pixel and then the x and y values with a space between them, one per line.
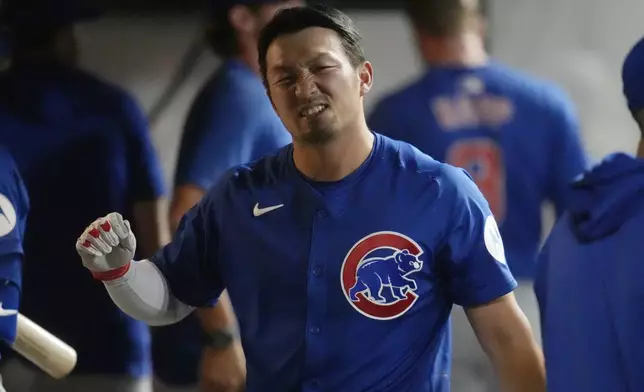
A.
pixel 143 294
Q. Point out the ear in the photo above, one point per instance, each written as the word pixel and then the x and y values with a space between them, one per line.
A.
pixel 242 19
pixel 366 78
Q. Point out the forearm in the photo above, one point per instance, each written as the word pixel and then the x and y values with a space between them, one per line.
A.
pixel 143 294
pixel 505 335
pixel 219 317
pixel 521 368
pixel 152 231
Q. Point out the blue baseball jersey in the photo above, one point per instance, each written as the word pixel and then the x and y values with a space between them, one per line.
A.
pixel 14 206
pixel 516 136
pixel 341 286
pixel 230 123
pixel 589 283
pixel 83 149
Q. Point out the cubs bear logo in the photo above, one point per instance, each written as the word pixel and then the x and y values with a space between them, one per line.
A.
pixel 375 275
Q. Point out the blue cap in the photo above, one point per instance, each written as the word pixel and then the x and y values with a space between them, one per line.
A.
pixel 633 77
pixel 33 13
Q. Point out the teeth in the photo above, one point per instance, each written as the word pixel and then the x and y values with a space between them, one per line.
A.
pixel 314 110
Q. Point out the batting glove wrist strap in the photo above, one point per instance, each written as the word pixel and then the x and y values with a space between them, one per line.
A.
pixel 111 274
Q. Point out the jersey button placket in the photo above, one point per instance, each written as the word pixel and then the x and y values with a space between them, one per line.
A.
pixel 321 214
pixel 316 297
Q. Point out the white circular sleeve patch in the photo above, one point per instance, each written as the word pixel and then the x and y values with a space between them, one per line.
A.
pixel 493 241
pixel 7 216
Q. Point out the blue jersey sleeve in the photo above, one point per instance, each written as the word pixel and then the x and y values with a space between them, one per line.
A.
pixel 220 132
pixel 14 205
pixel 477 270
pixel 145 174
pixel 190 262
pixel 567 157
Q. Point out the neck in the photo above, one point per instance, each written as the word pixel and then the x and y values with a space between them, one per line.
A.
pixel 248 55
pixel 640 149
pixel 466 49
pixel 337 159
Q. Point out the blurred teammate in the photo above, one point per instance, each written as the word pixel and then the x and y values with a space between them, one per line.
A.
pixel 231 122
pixel 342 253
pixel 82 147
pixel 589 280
pixel 14 206
pixel 516 136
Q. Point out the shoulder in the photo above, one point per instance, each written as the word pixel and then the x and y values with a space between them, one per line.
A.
pixel 106 96
pixel 11 183
pixel 529 89
pixel 251 176
pixel 101 87
pixel 9 175
pixel 229 85
pixel 421 167
pixel 6 160
pixel 400 97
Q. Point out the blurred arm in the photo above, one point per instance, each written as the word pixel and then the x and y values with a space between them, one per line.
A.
pixel 153 231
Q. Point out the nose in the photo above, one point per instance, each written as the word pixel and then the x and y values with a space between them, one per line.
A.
pixel 305 87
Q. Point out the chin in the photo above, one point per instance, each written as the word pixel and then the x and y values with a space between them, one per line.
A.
pixel 317 136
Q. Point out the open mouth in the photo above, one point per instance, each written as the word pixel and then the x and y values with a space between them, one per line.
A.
pixel 312 111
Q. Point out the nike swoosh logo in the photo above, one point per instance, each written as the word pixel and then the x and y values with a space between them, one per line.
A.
pixel 261 211
pixel 7 312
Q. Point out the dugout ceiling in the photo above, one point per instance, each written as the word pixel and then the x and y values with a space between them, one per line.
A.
pixel 191 6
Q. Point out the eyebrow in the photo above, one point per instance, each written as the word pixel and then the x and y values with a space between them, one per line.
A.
pixel 285 68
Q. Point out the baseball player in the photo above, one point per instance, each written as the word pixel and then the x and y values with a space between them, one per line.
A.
pixel 588 283
pixel 230 122
pixel 70 132
pixel 342 253
pixel 517 136
pixel 14 206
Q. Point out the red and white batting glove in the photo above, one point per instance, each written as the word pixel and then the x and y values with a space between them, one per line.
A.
pixel 107 247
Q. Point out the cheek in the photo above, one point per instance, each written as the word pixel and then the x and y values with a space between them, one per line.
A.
pixel 341 88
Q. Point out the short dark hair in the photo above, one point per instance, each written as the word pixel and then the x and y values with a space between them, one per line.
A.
pixel 442 18
pixel 296 19
pixel 221 35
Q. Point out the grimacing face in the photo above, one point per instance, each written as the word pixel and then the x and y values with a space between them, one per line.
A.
pixel 313 86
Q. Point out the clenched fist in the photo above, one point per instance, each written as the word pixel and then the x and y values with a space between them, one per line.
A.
pixel 107 247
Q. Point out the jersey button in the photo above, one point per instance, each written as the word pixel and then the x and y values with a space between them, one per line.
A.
pixel 322 214
pixel 317 271
pixel 315 330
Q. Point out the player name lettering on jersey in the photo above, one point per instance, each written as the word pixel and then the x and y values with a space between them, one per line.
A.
pixel 7 216
pixel 376 272
pixel 454 113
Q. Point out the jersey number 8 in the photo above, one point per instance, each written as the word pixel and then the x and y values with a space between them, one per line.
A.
pixel 483 160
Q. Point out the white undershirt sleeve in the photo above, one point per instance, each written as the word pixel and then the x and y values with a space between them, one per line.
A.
pixel 143 293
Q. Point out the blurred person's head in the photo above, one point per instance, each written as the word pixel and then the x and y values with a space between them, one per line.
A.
pixel 235 26
pixel 633 87
pixel 633 82
pixel 43 31
pixel 314 69
pixel 448 31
